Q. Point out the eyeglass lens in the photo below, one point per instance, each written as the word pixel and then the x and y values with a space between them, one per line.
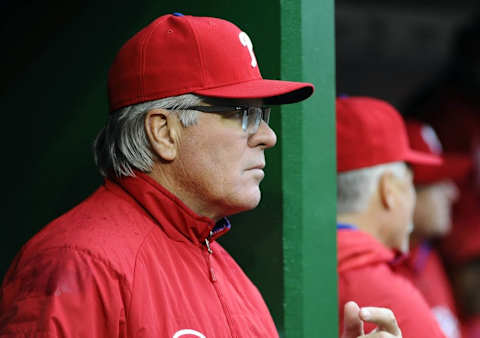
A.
pixel 253 117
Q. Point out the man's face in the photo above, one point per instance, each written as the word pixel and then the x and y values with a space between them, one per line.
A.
pixel 433 209
pixel 402 222
pixel 220 166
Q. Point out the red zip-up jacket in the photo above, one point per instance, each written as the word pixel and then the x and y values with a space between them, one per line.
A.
pixel 130 261
pixel 366 274
pixel 424 268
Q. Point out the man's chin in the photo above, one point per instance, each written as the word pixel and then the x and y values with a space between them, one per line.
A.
pixel 251 204
pixel 246 203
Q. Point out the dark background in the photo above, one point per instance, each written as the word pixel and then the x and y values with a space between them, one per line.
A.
pixel 393 49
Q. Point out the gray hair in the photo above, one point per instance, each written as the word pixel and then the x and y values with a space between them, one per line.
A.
pixel 355 187
pixel 122 145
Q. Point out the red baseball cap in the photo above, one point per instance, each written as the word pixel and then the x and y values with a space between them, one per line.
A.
pixel 372 132
pixel 422 137
pixel 178 54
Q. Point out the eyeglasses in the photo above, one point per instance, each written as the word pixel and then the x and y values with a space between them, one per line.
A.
pixel 251 116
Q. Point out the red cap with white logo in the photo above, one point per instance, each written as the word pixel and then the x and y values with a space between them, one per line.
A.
pixel 178 54
pixel 423 138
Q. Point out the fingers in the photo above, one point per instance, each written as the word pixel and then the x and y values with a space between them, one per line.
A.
pixel 383 318
pixel 352 324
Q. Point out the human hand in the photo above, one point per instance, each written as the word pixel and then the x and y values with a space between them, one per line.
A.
pixel 354 317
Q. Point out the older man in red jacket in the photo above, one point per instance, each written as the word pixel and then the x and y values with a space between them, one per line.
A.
pixel 183 147
pixel 375 206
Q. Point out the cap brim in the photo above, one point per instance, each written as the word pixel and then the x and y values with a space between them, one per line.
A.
pixel 271 91
pixel 418 157
pixel 454 167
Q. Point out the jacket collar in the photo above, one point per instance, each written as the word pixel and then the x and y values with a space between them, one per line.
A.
pixel 177 220
pixel 418 256
pixel 357 249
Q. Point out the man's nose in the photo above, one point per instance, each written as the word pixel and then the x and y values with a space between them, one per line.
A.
pixel 265 137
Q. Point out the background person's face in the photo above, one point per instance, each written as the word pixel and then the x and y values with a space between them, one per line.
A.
pixel 221 166
pixel 433 209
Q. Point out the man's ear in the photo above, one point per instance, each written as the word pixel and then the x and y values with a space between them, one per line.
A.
pixel 162 131
pixel 386 186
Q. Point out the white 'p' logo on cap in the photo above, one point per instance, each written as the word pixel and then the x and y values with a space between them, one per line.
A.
pixel 246 42
pixel 431 139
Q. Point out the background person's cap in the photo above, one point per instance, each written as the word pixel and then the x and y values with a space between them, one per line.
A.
pixel 371 132
pixel 422 137
pixel 178 54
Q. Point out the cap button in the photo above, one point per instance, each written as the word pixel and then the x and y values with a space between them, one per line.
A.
pixel 178 14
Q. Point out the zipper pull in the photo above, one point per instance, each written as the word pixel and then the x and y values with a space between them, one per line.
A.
pixel 213 278
pixel 207 243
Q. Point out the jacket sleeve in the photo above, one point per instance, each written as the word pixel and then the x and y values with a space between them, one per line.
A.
pixel 63 292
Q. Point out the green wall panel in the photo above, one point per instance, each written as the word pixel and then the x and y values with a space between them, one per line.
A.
pixel 308 172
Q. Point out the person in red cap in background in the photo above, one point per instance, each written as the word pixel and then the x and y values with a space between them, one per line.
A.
pixel 375 204
pixel 436 194
pixel 452 107
pixel 183 147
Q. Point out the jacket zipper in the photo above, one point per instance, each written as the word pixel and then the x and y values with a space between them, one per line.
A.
pixel 213 279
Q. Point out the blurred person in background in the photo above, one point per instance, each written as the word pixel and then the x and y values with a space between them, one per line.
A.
pixel 375 205
pixel 436 193
pixel 451 105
